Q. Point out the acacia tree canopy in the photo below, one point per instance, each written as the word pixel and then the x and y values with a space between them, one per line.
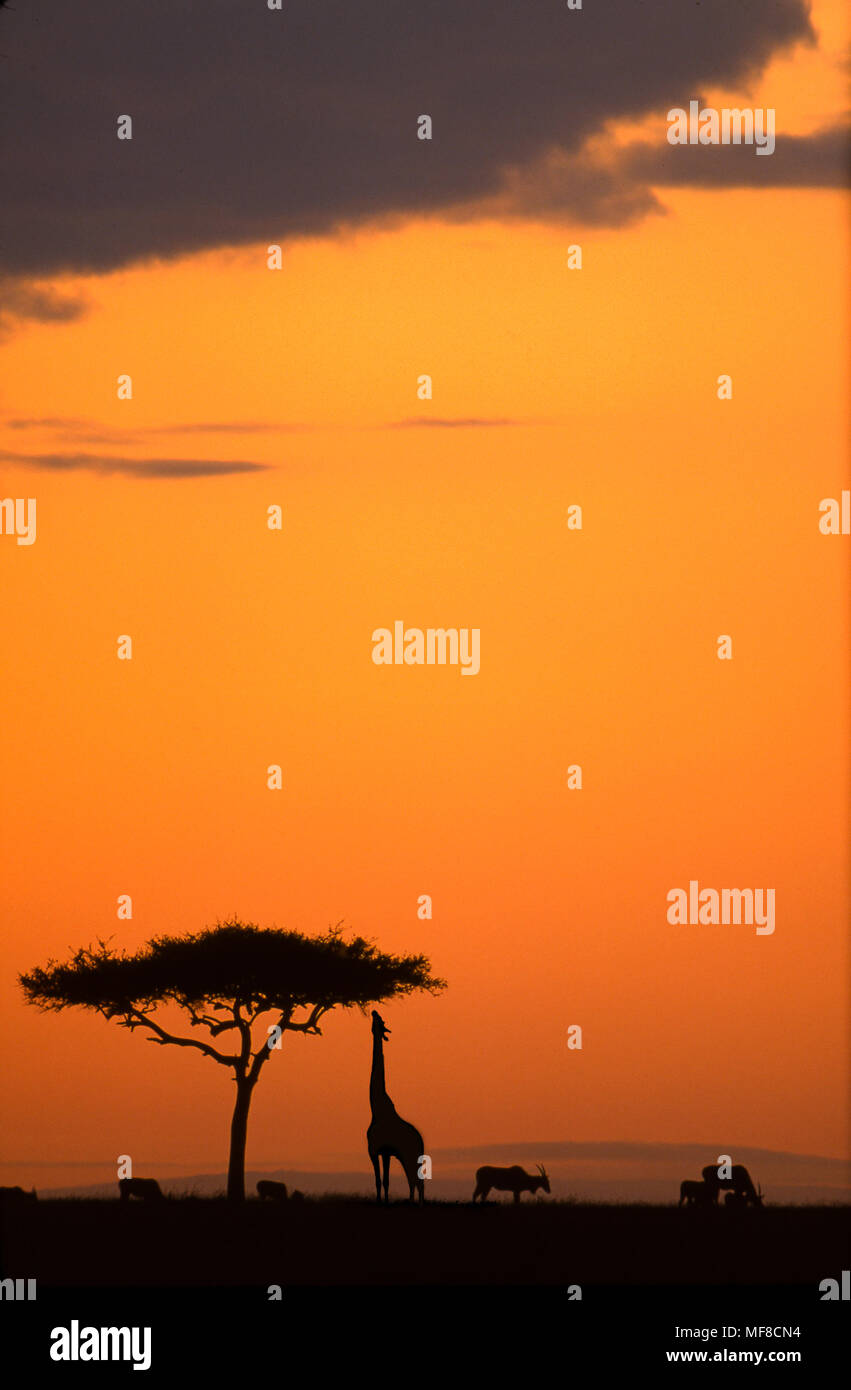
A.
pixel 224 978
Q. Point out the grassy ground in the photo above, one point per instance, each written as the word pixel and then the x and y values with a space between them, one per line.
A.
pixel 197 1242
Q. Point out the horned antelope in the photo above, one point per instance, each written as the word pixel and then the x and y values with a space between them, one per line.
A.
pixel 514 1180
pixel 696 1194
pixel 146 1189
pixel 739 1182
pixel 275 1191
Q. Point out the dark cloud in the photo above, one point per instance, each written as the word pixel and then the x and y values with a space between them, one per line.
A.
pixel 604 187
pixel 820 160
pixel 254 124
pixel 588 186
pixel 133 468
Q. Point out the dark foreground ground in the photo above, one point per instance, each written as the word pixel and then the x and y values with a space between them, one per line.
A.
pixel 343 1242
pixel 449 1293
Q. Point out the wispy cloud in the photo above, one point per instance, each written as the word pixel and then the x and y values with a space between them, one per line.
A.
pixel 22 301
pixel 75 431
pixel 133 468
pixel 222 427
pixel 471 423
pixel 46 422
pixel 90 429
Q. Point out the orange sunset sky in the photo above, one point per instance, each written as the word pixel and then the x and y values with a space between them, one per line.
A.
pixel 598 647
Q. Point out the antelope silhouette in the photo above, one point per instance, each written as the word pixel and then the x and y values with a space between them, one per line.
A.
pixel 696 1194
pixel 275 1191
pixel 514 1180
pixel 16 1197
pixel 739 1182
pixel 146 1189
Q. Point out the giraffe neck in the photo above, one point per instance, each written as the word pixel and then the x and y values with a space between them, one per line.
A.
pixel 378 1097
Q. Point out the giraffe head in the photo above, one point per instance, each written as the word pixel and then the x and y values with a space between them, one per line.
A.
pixel 379 1029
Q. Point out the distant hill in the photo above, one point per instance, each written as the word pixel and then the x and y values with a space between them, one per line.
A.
pixel 597 1172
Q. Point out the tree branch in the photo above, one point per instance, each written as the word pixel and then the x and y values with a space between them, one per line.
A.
pixel 245 1033
pixel 136 1019
pixel 215 1025
pixel 264 1052
pixel 311 1024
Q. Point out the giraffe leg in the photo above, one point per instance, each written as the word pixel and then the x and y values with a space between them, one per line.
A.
pixel 516 1198
pixel 385 1158
pixel 377 1179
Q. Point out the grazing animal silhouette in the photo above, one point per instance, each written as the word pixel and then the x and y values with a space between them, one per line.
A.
pixel 696 1194
pixel 275 1191
pixel 146 1189
pixel 13 1197
pixel 389 1136
pixel 514 1180
pixel 735 1199
pixel 739 1182
pixel 297 1196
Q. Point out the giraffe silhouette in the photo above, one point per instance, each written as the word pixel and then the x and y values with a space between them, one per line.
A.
pixel 389 1136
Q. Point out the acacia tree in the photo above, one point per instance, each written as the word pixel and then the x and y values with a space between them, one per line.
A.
pixel 225 978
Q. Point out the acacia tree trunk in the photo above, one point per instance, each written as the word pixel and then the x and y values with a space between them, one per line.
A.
pixel 238 1136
